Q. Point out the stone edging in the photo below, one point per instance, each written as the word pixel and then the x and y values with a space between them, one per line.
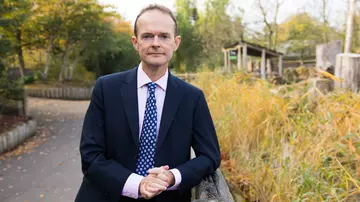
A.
pixel 14 137
pixel 66 93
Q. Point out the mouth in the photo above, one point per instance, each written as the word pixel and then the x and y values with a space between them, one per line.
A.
pixel 155 53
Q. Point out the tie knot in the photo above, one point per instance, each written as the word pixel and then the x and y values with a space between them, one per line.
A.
pixel 151 86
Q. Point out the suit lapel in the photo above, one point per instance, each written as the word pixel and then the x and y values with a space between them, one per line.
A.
pixel 130 99
pixel 172 100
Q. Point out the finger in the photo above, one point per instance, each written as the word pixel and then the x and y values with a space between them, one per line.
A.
pixel 152 175
pixel 149 194
pixel 163 177
pixel 156 170
pixel 160 182
pixel 152 190
pixel 161 187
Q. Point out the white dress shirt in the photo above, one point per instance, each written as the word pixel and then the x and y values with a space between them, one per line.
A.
pixel 131 187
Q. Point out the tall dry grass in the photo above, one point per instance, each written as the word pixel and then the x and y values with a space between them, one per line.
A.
pixel 285 145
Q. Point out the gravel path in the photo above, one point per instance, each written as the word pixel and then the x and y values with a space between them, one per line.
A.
pixel 46 167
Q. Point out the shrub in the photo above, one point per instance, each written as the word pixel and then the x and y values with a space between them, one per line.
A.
pixel 277 145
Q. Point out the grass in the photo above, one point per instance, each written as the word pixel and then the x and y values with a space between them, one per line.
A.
pixel 285 145
pixel 52 84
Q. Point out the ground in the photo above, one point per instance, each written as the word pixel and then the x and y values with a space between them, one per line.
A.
pixel 47 166
pixel 8 122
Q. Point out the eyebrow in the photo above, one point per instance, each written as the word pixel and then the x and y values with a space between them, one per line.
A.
pixel 161 33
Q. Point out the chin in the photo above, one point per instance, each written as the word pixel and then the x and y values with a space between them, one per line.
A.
pixel 155 63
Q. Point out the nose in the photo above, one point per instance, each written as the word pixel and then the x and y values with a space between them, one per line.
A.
pixel 156 42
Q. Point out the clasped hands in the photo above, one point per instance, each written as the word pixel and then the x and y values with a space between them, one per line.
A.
pixel 158 180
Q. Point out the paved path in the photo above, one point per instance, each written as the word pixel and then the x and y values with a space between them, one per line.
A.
pixel 52 172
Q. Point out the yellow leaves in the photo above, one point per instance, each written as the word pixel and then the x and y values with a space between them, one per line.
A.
pixel 299 27
pixel 270 137
pixel 28 146
pixel 297 24
pixel 123 27
pixel 119 25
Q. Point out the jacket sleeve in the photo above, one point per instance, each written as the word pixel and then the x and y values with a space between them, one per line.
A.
pixel 205 145
pixel 107 174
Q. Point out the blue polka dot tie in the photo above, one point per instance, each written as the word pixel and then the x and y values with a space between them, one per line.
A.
pixel 148 134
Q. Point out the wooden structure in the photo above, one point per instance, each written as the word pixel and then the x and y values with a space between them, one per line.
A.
pixel 348 70
pixel 326 55
pixel 243 49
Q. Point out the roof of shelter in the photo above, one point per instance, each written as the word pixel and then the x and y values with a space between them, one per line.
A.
pixel 255 49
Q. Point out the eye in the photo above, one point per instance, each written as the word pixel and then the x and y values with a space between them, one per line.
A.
pixel 147 36
pixel 164 37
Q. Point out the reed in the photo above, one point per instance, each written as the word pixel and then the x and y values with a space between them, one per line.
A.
pixel 287 144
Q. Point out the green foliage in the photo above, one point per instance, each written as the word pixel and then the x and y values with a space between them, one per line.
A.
pixel 301 33
pixel 217 28
pixel 188 55
pixel 11 89
pixel 29 79
pixel 122 58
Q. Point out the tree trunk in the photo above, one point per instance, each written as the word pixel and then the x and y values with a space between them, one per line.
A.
pixel 73 65
pixel 275 24
pixel 270 39
pixel 65 62
pixel 66 65
pixel 325 23
pixel 349 25
pixel 98 70
pixel 72 68
pixel 348 69
pixel 48 57
pixel 20 53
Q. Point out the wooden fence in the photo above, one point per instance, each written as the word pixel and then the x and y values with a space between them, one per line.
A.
pixel 66 93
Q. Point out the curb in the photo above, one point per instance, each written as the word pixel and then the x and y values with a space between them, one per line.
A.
pixel 16 136
pixel 61 93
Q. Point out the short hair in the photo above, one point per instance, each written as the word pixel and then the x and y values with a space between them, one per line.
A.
pixel 160 8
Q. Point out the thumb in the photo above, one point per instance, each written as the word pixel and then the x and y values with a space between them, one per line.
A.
pixel 166 167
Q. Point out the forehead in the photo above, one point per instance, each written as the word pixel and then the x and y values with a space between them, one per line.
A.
pixel 155 21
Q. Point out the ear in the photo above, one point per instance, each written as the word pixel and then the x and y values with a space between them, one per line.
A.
pixel 135 43
pixel 177 42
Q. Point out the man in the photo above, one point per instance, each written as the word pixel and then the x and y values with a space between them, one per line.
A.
pixel 140 125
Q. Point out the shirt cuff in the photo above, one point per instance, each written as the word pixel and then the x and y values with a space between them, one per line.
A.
pixel 131 187
pixel 177 176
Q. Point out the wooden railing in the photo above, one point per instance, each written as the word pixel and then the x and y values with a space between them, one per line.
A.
pixel 187 76
pixel 67 93
pixel 212 188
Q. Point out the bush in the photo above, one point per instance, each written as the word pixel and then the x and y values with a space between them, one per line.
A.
pixel 11 89
pixel 278 146
pixel 29 79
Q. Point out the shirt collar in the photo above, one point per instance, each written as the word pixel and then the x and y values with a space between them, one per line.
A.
pixel 143 78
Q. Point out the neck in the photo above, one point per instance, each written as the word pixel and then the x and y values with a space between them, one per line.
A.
pixel 154 73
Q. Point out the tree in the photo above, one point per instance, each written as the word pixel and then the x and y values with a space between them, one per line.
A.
pixel 122 56
pixel 299 35
pixel 271 31
pixel 46 28
pixel 16 13
pixel 216 28
pixel 5 44
pixel 349 25
pixel 187 57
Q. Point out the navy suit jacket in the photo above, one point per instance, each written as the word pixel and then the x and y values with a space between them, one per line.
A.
pixel 109 144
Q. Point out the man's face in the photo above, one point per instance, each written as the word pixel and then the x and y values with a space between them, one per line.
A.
pixel 155 41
